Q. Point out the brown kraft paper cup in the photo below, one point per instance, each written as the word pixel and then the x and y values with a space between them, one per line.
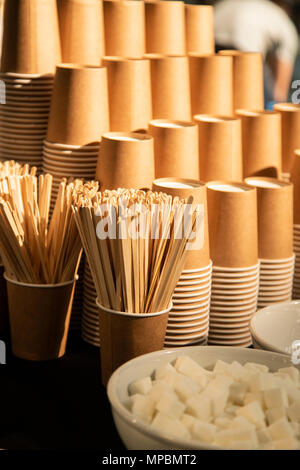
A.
pixel 248 86
pixel 199 27
pixel 175 148
pixel 129 91
pixel 211 79
pixel 261 137
pixel 170 84
pixel 81 31
pixel 290 135
pixel 4 328
pixel 39 319
pixel 124 28
pixel 79 107
pixel 165 27
pixel 232 219
pixel 31 42
pixel 199 257
pixel 124 336
pixel 295 180
pixel 275 217
pixel 220 148
pixel 126 160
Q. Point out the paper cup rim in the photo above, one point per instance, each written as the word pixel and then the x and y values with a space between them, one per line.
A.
pixel 253 268
pixel 180 124
pixel 191 271
pixel 274 261
pixel 135 136
pixel 43 286
pixel 135 315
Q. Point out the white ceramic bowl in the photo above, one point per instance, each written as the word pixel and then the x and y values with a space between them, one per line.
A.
pixel 137 435
pixel 276 327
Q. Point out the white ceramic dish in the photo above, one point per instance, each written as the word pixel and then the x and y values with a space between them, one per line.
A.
pixel 277 327
pixel 135 434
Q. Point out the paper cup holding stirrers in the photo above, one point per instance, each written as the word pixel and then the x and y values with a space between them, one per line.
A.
pixel 41 259
pixel 220 148
pixel 261 131
pixel 135 247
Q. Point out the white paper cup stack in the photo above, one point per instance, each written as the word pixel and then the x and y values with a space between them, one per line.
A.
pixel 90 313
pixel 276 281
pixel 189 318
pixel 233 302
pixel 24 110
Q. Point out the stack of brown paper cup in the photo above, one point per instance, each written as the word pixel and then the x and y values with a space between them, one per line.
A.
pixel 290 135
pixel 232 215
pixel 189 317
pixel 175 148
pixel 248 85
pixel 295 180
pixel 90 312
pixel 199 27
pixel 165 27
pixel 78 118
pixel 275 239
pixel 211 78
pixel 81 31
pixel 220 148
pixel 24 111
pixel 124 28
pixel 129 89
pixel 31 43
pixel 170 84
pixel 126 160
pixel 261 137
pixel 79 106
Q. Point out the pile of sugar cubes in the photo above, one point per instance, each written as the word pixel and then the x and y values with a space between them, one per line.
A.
pixel 233 406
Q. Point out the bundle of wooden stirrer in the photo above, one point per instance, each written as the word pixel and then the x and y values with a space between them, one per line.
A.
pixel 137 261
pixel 36 248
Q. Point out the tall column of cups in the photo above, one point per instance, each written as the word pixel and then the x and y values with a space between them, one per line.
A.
pixel 175 148
pixel 290 135
pixel 211 78
pixel 199 27
pixel 124 24
pixel 129 90
pixel 78 118
pixel 295 180
pixel 31 49
pixel 275 239
pixel 220 148
pixel 261 137
pixel 170 86
pixel 165 27
pixel 232 216
pixel 81 31
pixel 189 317
pixel 248 76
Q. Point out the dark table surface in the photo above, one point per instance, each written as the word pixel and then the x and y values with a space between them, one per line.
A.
pixel 59 405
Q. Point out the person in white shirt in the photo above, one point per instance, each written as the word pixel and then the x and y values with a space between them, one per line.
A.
pixel 261 26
